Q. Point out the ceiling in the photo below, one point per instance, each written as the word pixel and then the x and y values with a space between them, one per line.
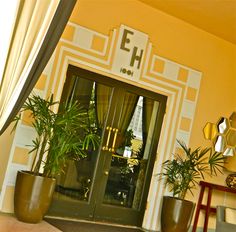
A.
pixel 217 17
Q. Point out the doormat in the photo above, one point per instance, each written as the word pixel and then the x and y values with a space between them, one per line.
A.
pixel 79 226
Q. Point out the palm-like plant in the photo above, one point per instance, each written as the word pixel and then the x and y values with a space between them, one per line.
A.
pixel 185 171
pixel 60 136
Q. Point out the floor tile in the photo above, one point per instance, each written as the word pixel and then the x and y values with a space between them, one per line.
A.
pixel 9 223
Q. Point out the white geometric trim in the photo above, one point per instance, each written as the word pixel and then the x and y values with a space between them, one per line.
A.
pixel 162 149
pixel 188 109
pixel 175 99
pixel 91 57
pixel 194 79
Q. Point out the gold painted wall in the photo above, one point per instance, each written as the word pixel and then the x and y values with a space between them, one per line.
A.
pixel 171 38
pixel 181 42
pixel 5 147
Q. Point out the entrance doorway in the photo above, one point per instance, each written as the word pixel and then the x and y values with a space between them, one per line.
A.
pixel 111 183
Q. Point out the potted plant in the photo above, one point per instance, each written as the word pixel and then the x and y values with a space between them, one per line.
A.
pixel 182 174
pixel 60 137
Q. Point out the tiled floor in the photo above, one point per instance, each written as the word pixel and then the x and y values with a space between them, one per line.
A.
pixel 9 223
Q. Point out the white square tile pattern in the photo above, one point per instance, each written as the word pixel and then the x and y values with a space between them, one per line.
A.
pixel 194 79
pixel 83 38
pixel 183 136
pixel 188 109
pixel 171 70
pixel 25 136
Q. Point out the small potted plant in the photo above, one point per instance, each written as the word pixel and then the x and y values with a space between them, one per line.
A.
pixel 182 174
pixel 60 137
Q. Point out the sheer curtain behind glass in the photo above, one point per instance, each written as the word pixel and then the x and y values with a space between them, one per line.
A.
pixel 127 111
pixel 38 27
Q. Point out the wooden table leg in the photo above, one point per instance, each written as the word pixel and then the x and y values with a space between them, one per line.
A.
pixel 208 208
pixel 198 209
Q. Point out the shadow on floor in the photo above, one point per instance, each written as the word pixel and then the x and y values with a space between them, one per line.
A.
pixel 78 226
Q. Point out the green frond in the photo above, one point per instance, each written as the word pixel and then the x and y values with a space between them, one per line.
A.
pixel 183 173
pixel 64 135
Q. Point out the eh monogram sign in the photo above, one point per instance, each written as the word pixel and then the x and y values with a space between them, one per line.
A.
pixel 129 53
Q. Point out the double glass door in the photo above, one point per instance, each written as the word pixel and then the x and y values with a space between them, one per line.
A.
pixel 111 183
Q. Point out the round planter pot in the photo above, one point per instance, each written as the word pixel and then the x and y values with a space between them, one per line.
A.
pixel 176 214
pixel 33 195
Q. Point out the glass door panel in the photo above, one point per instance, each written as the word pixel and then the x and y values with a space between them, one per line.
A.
pixel 111 183
pixel 74 186
pixel 129 160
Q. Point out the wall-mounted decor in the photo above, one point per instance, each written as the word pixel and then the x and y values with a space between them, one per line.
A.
pixel 129 52
pixel 222 134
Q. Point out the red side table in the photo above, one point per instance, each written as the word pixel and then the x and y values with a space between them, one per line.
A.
pixel 207 208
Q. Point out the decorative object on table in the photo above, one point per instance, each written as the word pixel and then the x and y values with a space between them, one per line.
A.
pixel 59 137
pixel 231 180
pixel 182 174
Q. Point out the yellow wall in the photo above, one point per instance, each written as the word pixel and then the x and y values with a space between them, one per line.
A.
pixel 5 147
pixel 179 41
pixel 183 43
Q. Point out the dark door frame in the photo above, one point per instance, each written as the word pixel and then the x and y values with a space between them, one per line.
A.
pixel 60 208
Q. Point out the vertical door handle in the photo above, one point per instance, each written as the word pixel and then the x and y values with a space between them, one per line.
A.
pixel 112 149
pixel 105 148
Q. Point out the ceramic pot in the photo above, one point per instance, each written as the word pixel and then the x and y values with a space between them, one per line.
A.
pixel 33 195
pixel 176 214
